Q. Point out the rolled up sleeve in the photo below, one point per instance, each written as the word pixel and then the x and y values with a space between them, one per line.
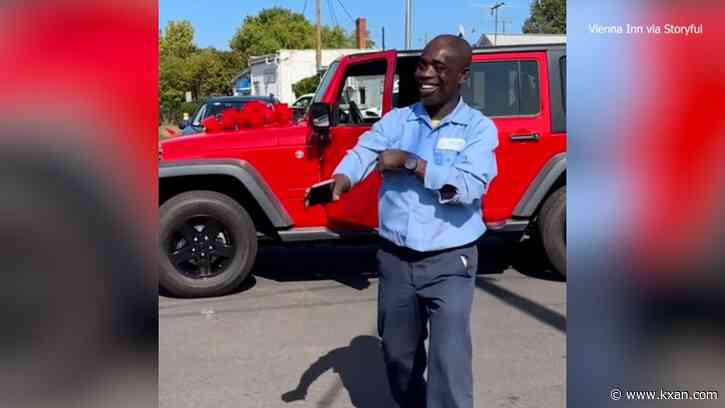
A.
pixel 436 176
pixel 473 169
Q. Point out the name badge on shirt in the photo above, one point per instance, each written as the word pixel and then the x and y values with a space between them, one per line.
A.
pixel 449 143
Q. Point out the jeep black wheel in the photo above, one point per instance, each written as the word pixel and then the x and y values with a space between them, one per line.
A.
pixel 552 225
pixel 208 244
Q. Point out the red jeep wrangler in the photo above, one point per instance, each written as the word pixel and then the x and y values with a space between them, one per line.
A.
pixel 221 192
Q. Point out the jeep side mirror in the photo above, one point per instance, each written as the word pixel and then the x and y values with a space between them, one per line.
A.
pixel 319 117
pixel 319 114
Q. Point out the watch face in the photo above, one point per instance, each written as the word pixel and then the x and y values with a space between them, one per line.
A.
pixel 410 164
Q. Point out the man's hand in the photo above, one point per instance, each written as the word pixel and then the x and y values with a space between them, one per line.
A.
pixel 392 159
pixel 294 395
pixel 341 184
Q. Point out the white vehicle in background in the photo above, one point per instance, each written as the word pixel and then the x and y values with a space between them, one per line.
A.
pixel 299 107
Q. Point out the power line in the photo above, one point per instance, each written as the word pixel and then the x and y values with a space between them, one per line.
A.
pixel 304 9
pixel 346 12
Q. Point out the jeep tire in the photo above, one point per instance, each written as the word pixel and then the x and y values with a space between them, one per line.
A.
pixel 185 220
pixel 552 227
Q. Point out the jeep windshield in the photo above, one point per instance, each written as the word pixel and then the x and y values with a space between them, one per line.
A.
pixel 216 107
pixel 325 82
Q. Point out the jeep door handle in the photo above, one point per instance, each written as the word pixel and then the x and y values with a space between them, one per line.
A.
pixel 531 137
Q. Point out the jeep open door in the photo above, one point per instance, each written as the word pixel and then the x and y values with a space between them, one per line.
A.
pixel 359 95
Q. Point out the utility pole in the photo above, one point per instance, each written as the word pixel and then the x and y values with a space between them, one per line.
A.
pixel 494 12
pixel 383 28
pixel 318 34
pixel 407 23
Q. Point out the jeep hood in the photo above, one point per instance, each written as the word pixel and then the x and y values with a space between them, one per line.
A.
pixel 231 144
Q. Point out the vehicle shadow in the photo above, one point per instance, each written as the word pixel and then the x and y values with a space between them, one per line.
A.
pixel 498 252
pixel 355 265
pixel 534 309
pixel 361 370
pixel 530 259
pixel 247 284
pixel 351 266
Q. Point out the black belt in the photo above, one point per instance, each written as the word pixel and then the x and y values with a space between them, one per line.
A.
pixel 409 254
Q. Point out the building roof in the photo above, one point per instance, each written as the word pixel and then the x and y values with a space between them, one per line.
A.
pixel 241 74
pixel 254 59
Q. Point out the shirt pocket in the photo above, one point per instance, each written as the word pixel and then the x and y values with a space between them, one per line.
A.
pixel 447 149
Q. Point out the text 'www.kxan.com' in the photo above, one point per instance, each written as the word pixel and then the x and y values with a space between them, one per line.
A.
pixel 617 394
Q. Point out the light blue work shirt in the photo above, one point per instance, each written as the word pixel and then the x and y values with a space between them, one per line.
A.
pixel 459 152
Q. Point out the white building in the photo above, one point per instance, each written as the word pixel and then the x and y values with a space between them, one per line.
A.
pixel 488 40
pixel 276 73
pixel 366 92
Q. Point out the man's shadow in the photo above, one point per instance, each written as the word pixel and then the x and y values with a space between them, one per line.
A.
pixel 362 372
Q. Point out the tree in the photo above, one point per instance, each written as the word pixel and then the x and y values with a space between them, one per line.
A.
pixel 336 37
pixel 277 28
pixel 272 29
pixel 177 39
pixel 306 85
pixel 211 72
pixel 547 17
pixel 176 45
pixel 185 68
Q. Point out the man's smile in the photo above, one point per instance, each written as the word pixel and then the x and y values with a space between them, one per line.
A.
pixel 427 89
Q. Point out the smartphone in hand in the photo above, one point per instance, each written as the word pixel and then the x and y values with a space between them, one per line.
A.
pixel 320 193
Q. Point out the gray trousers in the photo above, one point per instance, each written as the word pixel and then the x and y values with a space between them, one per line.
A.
pixel 417 288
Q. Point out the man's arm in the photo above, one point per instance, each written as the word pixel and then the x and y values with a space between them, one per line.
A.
pixel 360 161
pixel 471 173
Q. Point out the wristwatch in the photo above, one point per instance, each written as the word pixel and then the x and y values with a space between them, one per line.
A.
pixel 410 164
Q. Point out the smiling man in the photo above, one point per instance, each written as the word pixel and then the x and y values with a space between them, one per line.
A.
pixel 437 161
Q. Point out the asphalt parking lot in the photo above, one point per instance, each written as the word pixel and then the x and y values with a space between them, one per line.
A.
pixel 302 333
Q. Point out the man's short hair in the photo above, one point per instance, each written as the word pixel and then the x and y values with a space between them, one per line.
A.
pixel 460 46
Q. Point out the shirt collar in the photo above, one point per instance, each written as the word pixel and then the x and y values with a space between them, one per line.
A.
pixel 458 115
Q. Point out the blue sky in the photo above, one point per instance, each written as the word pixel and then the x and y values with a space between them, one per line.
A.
pixel 216 22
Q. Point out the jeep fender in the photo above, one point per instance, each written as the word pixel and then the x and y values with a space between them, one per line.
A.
pixel 540 187
pixel 241 170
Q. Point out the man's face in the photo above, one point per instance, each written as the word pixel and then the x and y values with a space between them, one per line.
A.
pixel 439 74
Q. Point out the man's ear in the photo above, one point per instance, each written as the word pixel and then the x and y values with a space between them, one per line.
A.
pixel 464 75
